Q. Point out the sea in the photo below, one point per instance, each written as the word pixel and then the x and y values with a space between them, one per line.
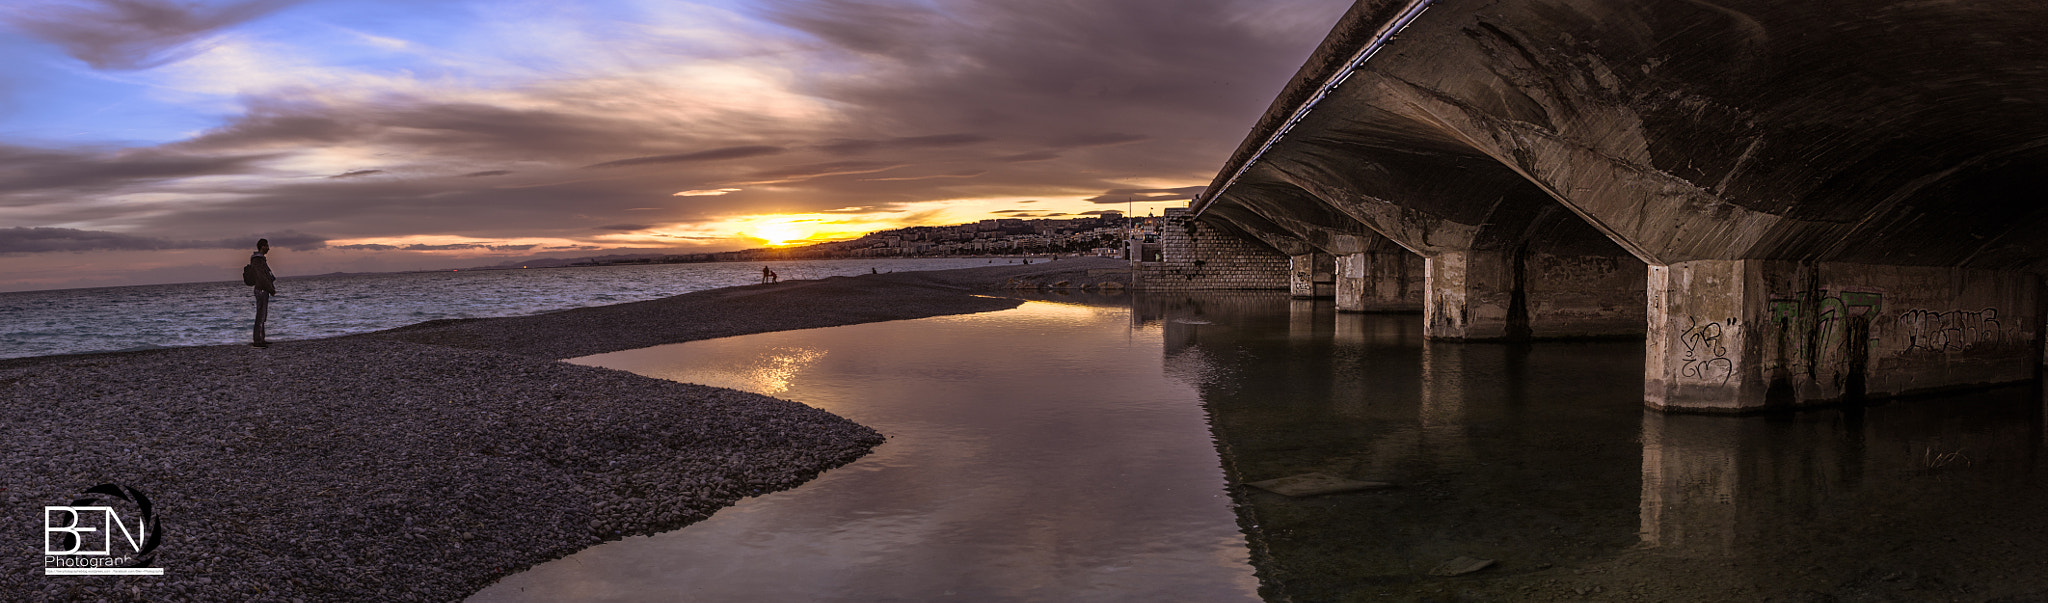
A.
pixel 140 317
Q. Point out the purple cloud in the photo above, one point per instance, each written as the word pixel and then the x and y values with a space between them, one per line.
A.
pixel 130 34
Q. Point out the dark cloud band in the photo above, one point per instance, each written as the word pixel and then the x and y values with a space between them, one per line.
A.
pixel 35 240
pixel 740 152
pixel 1147 195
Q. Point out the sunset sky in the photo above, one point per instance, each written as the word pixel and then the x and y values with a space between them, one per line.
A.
pixel 148 141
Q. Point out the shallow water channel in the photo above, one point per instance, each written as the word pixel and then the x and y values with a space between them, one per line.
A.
pixel 1094 451
pixel 1037 453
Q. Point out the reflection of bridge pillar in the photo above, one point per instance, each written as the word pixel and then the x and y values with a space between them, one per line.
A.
pixel 1378 282
pixel 1738 488
pixel 1690 481
pixel 1739 335
pixel 1350 330
pixel 1360 329
pixel 1301 319
pixel 1442 412
pixel 1443 385
pixel 1725 488
pixel 1349 379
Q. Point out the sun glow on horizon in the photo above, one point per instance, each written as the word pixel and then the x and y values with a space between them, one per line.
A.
pixel 784 230
pixel 779 235
pixel 757 230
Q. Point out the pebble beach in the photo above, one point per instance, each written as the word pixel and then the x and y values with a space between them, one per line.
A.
pixel 423 463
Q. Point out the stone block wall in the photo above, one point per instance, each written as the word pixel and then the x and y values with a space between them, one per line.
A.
pixel 1197 256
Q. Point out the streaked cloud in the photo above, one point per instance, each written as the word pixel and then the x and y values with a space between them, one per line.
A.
pixel 739 152
pixel 1031 156
pixel 1148 195
pixel 798 173
pixel 960 174
pixel 849 147
pixel 709 192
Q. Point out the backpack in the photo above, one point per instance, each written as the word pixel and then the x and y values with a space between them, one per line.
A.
pixel 250 276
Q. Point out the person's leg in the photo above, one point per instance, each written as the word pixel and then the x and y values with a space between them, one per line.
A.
pixel 262 312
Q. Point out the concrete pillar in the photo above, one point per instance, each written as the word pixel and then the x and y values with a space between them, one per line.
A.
pixel 1742 335
pixel 1351 282
pixel 1395 284
pixel 1377 282
pixel 1484 294
pixel 1309 276
pixel 1301 274
pixel 1697 355
pixel 1468 294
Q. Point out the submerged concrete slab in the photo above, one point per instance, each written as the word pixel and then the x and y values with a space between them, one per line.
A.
pixel 1315 484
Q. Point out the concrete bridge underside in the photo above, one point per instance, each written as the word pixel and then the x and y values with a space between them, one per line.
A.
pixel 1797 202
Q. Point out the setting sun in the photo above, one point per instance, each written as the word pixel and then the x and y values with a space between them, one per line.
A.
pixel 777 235
pixel 780 230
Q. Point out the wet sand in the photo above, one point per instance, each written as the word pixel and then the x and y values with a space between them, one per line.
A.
pixel 424 462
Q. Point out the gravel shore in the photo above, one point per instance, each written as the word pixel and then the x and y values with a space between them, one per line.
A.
pixel 424 462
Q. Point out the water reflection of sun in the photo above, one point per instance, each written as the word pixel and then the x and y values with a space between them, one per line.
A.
pixel 774 371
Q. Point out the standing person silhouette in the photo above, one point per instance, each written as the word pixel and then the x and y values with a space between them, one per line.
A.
pixel 257 275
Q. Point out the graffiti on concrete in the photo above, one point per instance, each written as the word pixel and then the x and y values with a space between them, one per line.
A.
pixel 1828 333
pixel 1822 336
pixel 1955 330
pixel 1569 269
pixel 1706 353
